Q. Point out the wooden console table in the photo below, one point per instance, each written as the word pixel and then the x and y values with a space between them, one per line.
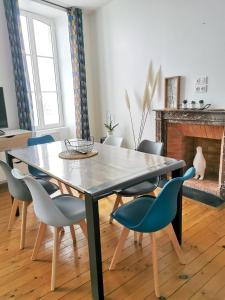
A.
pixel 12 139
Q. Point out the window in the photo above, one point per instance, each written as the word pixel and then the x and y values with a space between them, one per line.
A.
pixel 40 54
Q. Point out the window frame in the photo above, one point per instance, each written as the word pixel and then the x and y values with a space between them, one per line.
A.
pixel 35 70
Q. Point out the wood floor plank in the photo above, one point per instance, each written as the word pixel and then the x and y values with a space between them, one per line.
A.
pixel 210 288
pixel 204 240
pixel 198 280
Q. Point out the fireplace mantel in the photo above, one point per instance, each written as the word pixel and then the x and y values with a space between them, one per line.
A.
pixel 196 116
pixel 216 117
pixel 181 123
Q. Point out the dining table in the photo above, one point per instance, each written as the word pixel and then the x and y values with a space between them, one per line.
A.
pixel 112 169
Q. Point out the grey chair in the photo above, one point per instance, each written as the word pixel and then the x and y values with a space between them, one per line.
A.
pixel 20 193
pixel 65 210
pixel 146 187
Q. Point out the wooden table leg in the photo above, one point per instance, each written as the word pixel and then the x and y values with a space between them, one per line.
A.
pixel 177 222
pixel 94 245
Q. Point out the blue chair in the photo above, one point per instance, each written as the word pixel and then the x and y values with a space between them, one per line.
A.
pixel 147 214
pixel 38 141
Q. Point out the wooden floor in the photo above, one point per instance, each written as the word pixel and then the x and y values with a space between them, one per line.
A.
pixel 202 278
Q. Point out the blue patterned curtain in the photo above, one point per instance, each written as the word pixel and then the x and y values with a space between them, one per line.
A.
pixel 79 72
pixel 15 37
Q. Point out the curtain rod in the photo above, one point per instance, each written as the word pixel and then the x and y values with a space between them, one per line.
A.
pixel 49 3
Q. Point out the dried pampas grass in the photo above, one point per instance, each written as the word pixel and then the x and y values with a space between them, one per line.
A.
pixel 147 108
pixel 127 100
pixel 148 96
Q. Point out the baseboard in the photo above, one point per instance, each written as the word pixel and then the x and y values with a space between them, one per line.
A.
pixel 198 195
pixel 3 186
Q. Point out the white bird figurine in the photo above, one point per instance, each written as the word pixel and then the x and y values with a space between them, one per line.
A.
pixel 199 164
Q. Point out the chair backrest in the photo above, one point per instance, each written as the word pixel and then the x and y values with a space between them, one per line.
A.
pixel 44 207
pixel 113 140
pixel 17 188
pixel 150 147
pixel 164 209
pixel 38 140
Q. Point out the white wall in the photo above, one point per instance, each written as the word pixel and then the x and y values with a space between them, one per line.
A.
pixel 185 37
pixel 6 72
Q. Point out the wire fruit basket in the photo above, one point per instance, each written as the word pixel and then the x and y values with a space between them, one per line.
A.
pixel 79 145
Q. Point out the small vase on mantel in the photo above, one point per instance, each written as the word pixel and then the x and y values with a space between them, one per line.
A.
pixel 185 104
pixel 193 104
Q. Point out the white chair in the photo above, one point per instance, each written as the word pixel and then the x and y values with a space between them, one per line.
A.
pixel 65 210
pixel 113 140
pixel 20 193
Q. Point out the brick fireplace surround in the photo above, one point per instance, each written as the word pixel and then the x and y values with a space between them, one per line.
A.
pixel 182 131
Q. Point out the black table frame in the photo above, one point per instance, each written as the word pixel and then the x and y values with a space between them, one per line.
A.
pixel 9 160
pixel 93 226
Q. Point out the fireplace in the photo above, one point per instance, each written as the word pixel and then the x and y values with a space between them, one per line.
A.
pixel 182 131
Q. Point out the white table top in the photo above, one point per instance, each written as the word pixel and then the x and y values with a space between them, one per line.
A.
pixel 106 171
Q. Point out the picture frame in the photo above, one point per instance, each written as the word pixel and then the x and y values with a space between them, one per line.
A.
pixel 172 92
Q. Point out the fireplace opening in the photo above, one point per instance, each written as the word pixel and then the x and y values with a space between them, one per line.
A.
pixel 211 151
pixel 182 141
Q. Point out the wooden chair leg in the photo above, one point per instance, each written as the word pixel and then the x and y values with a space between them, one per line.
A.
pixel 69 190
pixel 12 217
pixel 73 235
pixel 135 237
pixel 119 247
pixel 62 230
pixel 23 225
pixel 39 239
pixel 83 227
pixel 116 205
pixel 60 186
pixel 153 193
pixel 175 243
pixel 54 258
pixel 155 265
pixel 140 238
pixel 81 195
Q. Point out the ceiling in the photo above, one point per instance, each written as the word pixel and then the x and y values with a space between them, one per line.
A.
pixel 88 4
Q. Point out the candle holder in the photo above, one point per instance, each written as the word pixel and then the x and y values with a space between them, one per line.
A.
pixel 185 104
pixel 201 103
pixel 193 104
